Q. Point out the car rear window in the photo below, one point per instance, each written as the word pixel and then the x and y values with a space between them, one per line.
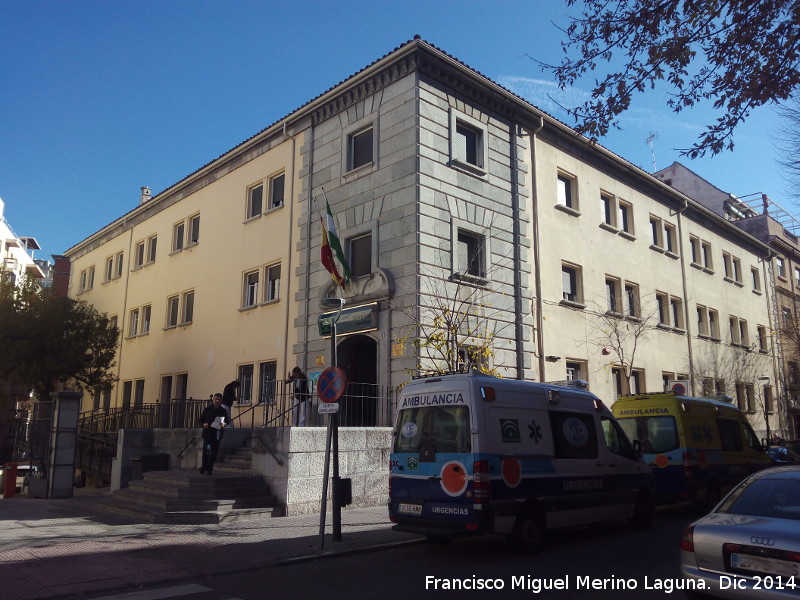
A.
pixel 774 498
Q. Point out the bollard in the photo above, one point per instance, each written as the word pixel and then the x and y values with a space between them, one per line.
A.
pixel 10 472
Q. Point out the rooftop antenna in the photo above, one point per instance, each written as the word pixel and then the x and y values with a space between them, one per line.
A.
pixel 649 141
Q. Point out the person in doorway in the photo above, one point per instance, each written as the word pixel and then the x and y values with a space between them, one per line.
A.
pixel 213 421
pixel 230 394
pixel 300 396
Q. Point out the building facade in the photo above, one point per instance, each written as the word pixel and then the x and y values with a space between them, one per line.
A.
pixel 452 196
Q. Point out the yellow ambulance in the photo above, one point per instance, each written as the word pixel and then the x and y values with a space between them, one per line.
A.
pixel 698 448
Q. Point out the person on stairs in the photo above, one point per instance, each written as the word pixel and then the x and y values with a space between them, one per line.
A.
pixel 213 421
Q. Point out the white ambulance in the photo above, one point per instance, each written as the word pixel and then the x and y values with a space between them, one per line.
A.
pixel 474 454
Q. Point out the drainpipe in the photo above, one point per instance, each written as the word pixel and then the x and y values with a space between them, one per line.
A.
pixel 307 298
pixel 518 327
pixel 536 255
pixel 686 318
pixel 288 329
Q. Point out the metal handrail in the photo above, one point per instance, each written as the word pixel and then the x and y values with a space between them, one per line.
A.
pixel 189 443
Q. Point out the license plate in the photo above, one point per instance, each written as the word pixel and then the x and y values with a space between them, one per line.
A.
pixel 409 509
pixel 760 564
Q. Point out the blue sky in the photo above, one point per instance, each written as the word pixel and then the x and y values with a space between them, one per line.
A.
pixel 102 97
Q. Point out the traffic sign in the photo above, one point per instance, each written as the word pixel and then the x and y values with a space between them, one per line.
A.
pixel 331 384
pixel 327 408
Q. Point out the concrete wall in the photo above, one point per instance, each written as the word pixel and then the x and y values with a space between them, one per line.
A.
pixel 297 482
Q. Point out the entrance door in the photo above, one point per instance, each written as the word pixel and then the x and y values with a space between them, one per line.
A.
pixel 358 356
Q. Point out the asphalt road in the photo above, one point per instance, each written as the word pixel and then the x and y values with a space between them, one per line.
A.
pixel 605 561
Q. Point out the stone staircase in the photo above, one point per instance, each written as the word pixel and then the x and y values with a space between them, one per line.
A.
pixel 233 493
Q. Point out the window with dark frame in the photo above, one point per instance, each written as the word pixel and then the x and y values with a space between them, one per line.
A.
pixel 255 199
pixel 361 255
pixel 360 148
pixel 276 190
pixel 466 144
pixel 470 254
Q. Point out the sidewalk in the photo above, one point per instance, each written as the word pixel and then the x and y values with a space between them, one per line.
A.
pixel 64 548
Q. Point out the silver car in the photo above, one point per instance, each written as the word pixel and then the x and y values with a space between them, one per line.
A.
pixel 749 545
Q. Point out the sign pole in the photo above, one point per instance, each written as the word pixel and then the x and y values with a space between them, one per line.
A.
pixel 336 508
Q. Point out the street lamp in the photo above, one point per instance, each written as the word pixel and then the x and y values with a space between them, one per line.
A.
pixel 333 436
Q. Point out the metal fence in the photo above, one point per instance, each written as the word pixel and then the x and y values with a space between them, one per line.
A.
pixel 37 437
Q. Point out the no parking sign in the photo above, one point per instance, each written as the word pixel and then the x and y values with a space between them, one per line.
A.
pixel 331 384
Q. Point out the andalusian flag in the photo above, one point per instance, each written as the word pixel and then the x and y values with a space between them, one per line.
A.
pixel 331 244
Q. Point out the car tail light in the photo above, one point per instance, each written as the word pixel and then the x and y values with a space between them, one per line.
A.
pixel 480 481
pixel 687 539
pixel 688 470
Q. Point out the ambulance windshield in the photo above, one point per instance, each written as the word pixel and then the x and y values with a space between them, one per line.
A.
pixel 656 434
pixel 433 428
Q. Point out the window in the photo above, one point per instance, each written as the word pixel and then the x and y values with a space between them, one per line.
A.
pixel 663 308
pixel 707 256
pixel 133 325
pixel 152 244
pixel 113 320
pixel 470 254
pixel 469 357
pixel 655 230
pixel 727 265
pixel 713 323
pixel 797 275
pixel 574 435
pixel 82 286
pixel 127 392
pixel 145 324
pixel 273 283
pixel 762 338
pixel 566 192
pixel 138 399
pixel 745 396
pixel 677 312
pixel 756 279
pixel 735 332
pixel 361 255
pixel 138 255
pixel 780 265
pixel 702 321
pixel 268 376
pixel 694 242
pixel 360 148
pixel 744 333
pixel 576 369
pixel 118 264
pixel 188 308
pixel 769 401
pixel 669 238
pixel 246 381
pixel 617 214
pixel 737 270
pixel 276 189
pixel 467 144
pixel 637 381
pixel 173 303
pixel 178 232
pixel 255 198
pixel 194 230
pixel 250 292
pixel 571 288
pixel 607 204
pixel 90 283
pixel 109 273
pixel 631 300
pixel 613 295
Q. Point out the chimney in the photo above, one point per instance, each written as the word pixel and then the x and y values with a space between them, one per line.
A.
pixel 145 197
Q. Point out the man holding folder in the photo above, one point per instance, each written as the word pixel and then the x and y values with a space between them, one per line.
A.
pixel 213 421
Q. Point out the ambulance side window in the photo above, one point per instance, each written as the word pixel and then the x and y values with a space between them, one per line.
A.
pixel 729 435
pixel 750 437
pixel 574 435
pixel 408 435
pixel 616 440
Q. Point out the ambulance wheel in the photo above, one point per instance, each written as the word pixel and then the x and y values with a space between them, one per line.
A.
pixel 529 530
pixel 642 517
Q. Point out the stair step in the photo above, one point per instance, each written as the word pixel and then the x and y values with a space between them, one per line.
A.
pixel 185 496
